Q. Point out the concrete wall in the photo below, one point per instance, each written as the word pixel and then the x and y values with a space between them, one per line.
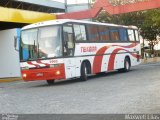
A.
pixel 9 57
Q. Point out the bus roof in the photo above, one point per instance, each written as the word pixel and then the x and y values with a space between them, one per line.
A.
pixel 62 21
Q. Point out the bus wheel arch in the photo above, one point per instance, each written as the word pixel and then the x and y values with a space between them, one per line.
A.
pixel 85 69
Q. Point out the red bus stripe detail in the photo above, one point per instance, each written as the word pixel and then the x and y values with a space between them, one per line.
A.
pixel 36 65
pixel 112 59
pixel 113 55
pixel 97 63
pixel 40 62
pixel 129 46
pixel 133 54
pixel 98 59
pixel 136 56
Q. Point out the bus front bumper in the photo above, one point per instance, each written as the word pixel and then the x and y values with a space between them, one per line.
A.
pixel 56 73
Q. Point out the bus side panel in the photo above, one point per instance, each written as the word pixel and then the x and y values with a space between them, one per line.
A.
pixel 70 67
pixel 106 57
pixel 105 61
pixel 119 60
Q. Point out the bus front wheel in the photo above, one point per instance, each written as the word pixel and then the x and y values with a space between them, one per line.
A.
pixel 50 82
pixel 84 72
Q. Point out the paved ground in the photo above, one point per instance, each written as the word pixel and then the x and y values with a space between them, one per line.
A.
pixel 135 92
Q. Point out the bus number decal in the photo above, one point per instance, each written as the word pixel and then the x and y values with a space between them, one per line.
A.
pixel 53 61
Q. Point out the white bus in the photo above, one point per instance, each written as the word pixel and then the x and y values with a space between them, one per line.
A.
pixel 63 49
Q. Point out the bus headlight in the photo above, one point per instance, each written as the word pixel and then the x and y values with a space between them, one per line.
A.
pixel 24 75
pixel 58 72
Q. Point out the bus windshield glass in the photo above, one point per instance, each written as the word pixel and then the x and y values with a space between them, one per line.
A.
pixel 41 43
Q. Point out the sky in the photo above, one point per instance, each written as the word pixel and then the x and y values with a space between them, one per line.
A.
pixel 73 1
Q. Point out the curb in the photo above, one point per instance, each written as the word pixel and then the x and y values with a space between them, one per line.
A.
pixel 3 80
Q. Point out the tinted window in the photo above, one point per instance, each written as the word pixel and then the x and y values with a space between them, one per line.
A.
pixel 131 35
pixel 114 34
pixel 103 33
pixel 93 33
pixel 136 35
pixel 80 32
pixel 123 34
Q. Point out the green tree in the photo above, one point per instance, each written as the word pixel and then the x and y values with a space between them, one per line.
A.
pixel 150 29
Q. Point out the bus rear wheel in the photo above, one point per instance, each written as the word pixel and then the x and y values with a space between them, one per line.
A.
pixel 50 82
pixel 127 65
pixel 84 72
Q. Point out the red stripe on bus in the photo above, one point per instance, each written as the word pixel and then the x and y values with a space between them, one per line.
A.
pixel 129 46
pixel 113 55
pixel 98 59
pixel 136 55
pixel 97 63
pixel 112 59
pixel 40 62
pixel 36 65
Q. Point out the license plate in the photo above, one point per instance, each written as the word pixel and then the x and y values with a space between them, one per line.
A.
pixel 39 74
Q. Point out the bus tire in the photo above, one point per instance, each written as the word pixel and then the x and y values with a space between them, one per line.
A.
pixel 127 65
pixel 84 72
pixel 50 82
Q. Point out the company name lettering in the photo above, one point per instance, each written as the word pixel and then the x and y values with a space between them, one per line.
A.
pixel 89 49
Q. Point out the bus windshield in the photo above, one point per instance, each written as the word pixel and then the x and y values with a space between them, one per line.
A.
pixel 41 43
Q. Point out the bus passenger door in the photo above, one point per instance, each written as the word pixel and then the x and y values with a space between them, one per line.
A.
pixel 68 50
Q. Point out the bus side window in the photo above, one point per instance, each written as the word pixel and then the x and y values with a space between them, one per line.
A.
pixel 93 33
pixel 131 35
pixel 115 34
pixel 103 33
pixel 137 35
pixel 123 34
pixel 68 40
pixel 80 32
